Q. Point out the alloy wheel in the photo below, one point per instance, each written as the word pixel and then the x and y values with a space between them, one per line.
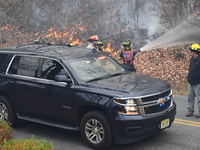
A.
pixel 94 131
pixel 3 112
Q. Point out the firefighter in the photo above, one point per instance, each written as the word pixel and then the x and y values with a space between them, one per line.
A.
pixel 40 41
pixel 194 80
pixel 92 42
pixel 37 41
pixel 128 56
pixel 100 45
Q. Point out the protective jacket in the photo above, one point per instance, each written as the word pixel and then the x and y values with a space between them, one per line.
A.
pixel 194 71
pixel 128 57
pixel 91 46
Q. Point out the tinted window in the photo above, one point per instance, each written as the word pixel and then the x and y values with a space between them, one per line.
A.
pixel 2 58
pixel 25 65
pixel 51 68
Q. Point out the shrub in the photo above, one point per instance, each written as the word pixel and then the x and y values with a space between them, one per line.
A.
pixel 178 53
pixel 26 144
pixel 5 131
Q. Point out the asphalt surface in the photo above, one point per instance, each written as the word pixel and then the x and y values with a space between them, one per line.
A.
pixel 183 134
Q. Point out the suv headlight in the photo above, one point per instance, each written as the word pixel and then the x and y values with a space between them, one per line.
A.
pixel 129 106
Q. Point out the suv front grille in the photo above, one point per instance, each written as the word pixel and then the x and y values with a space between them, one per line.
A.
pixel 155 97
pixel 157 108
pixel 155 104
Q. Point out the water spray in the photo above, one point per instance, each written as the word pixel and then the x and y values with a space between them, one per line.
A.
pixel 185 33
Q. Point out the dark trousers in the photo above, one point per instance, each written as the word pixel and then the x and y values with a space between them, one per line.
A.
pixel 130 67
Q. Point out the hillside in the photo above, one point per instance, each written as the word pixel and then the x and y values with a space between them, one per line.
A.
pixel 170 64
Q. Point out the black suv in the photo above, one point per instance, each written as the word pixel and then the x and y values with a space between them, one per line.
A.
pixel 79 89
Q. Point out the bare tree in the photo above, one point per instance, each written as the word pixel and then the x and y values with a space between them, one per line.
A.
pixel 174 12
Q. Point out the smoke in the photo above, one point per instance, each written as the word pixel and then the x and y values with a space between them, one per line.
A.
pixel 149 20
pixel 185 33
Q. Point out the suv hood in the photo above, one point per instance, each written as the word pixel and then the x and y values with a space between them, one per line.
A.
pixel 129 85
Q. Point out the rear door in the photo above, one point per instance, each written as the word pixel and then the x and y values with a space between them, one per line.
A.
pixel 23 84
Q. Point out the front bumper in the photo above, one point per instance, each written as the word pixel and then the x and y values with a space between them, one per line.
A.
pixel 128 129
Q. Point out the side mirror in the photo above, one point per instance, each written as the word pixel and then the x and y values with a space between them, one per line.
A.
pixel 62 78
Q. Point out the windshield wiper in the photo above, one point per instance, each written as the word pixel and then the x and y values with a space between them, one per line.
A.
pixel 99 78
pixel 107 76
pixel 120 73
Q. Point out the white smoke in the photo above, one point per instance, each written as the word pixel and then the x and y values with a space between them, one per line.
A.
pixel 149 20
pixel 184 33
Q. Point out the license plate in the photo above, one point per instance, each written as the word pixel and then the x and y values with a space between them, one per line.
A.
pixel 164 124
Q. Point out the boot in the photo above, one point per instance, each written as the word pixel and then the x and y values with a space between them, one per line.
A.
pixel 189 114
pixel 198 116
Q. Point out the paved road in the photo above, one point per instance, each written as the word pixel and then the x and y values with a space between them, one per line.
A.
pixel 183 135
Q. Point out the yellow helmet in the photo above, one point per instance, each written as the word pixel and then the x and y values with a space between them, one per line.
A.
pixel 127 44
pixel 100 44
pixel 195 47
pixel 36 41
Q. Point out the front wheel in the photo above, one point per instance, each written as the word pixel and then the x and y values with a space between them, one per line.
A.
pixel 6 111
pixel 95 130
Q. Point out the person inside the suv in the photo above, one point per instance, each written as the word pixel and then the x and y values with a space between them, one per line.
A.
pixel 54 71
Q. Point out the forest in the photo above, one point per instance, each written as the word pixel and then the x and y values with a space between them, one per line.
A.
pixel 64 21
pixel 114 21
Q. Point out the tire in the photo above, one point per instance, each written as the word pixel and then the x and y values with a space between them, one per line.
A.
pixel 95 130
pixel 6 111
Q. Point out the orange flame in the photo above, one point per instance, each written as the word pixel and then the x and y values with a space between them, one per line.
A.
pixel 64 32
pixel 7 27
pixel 111 51
pixel 81 28
pixel 54 33
pixel 108 48
pixel 76 42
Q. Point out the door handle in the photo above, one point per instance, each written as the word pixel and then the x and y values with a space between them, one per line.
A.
pixel 11 82
pixel 41 87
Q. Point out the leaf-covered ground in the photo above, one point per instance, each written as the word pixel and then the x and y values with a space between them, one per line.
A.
pixel 170 64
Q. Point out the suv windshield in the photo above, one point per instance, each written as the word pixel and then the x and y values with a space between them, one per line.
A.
pixel 94 68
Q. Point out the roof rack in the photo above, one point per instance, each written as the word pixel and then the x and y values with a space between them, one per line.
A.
pixel 37 46
pixel 53 46
pixel 31 46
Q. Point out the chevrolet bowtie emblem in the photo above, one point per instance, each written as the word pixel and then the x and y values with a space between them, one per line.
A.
pixel 161 101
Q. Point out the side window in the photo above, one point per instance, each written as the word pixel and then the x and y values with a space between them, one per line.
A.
pixel 51 68
pixel 25 66
pixel 2 58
